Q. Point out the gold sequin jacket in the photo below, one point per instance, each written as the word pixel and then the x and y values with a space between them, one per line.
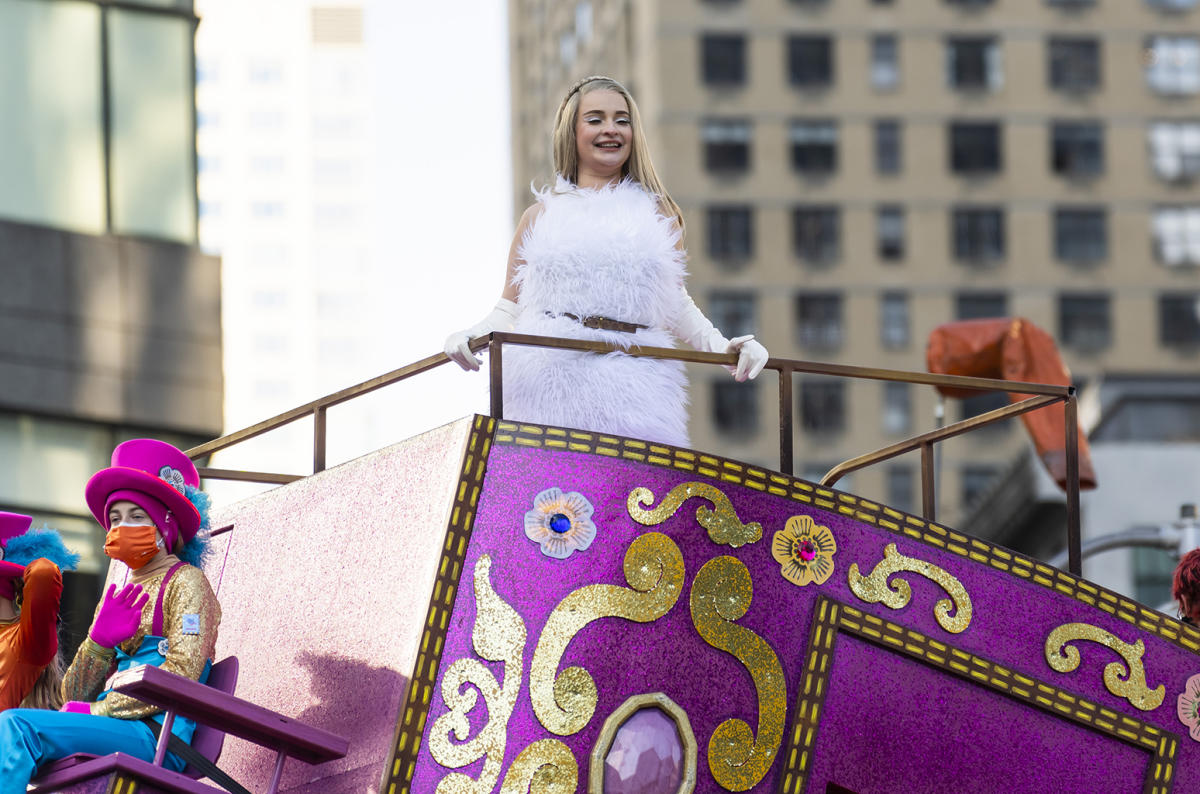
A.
pixel 188 593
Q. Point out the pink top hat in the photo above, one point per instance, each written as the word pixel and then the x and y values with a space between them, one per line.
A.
pixel 12 525
pixel 154 468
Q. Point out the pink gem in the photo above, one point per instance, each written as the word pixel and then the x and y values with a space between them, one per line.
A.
pixel 646 756
pixel 808 551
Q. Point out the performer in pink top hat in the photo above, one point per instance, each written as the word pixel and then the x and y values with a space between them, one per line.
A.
pixel 31 563
pixel 165 615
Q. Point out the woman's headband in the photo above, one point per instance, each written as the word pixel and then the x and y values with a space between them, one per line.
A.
pixel 584 82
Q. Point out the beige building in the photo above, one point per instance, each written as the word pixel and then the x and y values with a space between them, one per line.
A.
pixel 856 172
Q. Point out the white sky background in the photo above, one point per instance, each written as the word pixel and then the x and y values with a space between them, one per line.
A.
pixel 443 179
pixel 441 225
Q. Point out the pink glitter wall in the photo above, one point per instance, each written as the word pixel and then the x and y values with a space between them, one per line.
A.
pixel 324 585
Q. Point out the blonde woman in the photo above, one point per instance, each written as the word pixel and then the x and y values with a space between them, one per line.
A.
pixel 600 256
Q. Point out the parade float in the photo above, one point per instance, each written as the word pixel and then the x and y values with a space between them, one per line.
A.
pixel 509 607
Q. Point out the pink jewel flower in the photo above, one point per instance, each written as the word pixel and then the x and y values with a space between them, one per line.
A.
pixel 1187 706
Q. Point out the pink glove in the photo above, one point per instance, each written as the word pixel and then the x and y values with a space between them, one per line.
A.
pixel 76 707
pixel 119 616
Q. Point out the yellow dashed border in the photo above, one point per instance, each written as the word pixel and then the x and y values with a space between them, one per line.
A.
pixel 831 617
pixel 410 727
pixel 1033 571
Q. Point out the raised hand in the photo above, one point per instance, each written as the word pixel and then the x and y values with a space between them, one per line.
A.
pixel 119 616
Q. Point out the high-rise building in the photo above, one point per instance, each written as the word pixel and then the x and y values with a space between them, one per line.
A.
pixel 111 313
pixel 854 173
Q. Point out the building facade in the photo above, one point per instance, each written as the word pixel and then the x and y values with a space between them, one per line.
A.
pixel 111 313
pixel 854 173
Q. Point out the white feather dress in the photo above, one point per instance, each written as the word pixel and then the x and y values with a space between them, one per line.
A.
pixel 604 252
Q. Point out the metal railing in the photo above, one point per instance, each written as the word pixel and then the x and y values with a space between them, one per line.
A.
pixel 1042 396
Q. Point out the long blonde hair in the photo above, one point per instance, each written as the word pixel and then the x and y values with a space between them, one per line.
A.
pixel 638 167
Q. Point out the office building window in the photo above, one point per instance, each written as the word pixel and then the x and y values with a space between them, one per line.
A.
pixel 975 147
pixel 1177 235
pixel 897 408
pixel 1073 64
pixel 810 61
pixel 822 405
pixel 1179 319
pixel 1153 569
pixel 730 233
pixel 735 406
pixel 723 59
pixel 1173 65
pixel 1170 5
pixel 901 488
pixel 976 480
pixel 981 403
pixel 889 232
pixel 1175 149
pixel 978 234
pixel 816 232
pixel 893 320
pixel 1080 234
pixel 885 62
pixel 733 312
pixel 1077 148
pixel 888 157
pixel 726 145
pixel 819 320
pixel 980 305
pixel 974 63
pixel 1083 321
pixel 814 146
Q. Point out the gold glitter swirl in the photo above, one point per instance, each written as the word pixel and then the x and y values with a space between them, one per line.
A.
pixel 1128 683
pixel 874 589
pixel 723 525
pixel 545 767
pixel 654 571
pixel 721 593
pixel 498 636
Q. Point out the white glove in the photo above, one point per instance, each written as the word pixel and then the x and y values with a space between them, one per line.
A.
pixel 458 344
pixel 698 331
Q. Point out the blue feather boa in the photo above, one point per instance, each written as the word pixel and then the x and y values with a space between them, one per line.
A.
pixel 196 549
pixel 35 543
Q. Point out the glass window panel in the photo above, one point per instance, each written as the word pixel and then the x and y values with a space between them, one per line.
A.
pixel 153 179
pixel 44 463
pixel 52 157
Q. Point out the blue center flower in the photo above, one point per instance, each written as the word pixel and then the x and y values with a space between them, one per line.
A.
pixel 559 523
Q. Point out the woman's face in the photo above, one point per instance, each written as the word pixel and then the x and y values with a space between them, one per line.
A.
pixel 603 132
pixel 125 512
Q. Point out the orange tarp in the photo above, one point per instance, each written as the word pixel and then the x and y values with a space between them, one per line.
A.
pixel 1012 349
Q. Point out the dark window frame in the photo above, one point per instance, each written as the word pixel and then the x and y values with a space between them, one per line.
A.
pixel 820 321
pixel 730 233
pixel 978 234
pixel 1074 64
pixel 810 61
pixel 817 233
pixel 976 147
pixel 1081 234
pixel 723 60
pixel 1085 320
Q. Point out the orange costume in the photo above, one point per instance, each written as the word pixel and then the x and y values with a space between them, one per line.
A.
pixel 30 642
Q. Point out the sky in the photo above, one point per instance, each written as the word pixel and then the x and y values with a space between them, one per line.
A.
pixel 442 213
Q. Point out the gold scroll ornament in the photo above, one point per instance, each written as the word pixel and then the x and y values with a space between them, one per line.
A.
pixel 874 589
pixel 498 636
pixel 545 767
pixel 721 593
pixel 654 571
pixel 1125 683
pixel 723 525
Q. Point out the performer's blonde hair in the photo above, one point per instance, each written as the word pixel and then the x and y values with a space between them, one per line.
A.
pixel 638 167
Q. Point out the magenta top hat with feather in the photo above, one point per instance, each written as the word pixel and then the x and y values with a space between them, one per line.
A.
pixel 12 525
pixel 155 469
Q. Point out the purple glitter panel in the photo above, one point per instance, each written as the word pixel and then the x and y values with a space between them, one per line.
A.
pixel 884 711
pixel 889 718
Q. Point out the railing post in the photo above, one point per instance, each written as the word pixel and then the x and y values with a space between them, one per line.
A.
pixel 928 489
pixel 785 420
pixel 496 372
pixel 319 438
pixel 1074 543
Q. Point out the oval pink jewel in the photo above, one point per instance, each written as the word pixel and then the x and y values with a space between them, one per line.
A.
pixel 646 756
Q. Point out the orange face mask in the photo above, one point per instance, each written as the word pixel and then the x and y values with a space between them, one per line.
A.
pixel 133 545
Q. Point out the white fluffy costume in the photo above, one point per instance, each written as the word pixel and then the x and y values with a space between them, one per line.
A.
pixel 604 252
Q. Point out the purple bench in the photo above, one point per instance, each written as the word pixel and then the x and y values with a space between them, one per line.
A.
pixel 217 712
